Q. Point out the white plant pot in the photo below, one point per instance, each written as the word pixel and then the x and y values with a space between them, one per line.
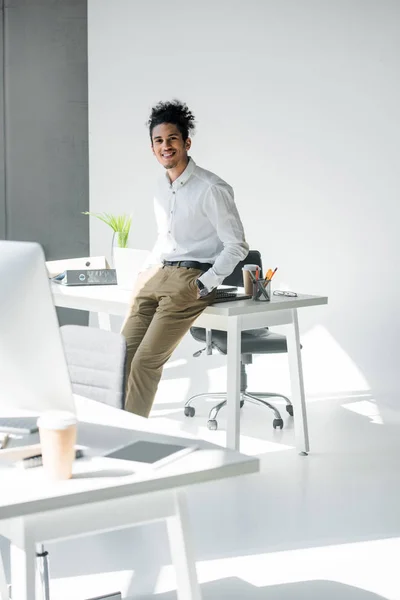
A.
pixel 127 263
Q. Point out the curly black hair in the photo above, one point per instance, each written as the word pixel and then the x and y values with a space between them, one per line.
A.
pixel 175 112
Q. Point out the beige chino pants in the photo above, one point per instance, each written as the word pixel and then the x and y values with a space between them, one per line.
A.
pixel 163 310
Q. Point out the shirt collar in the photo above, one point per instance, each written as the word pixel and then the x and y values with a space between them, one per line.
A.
pixel 185 176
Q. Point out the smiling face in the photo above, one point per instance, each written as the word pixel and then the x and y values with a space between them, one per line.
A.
pixel 169 147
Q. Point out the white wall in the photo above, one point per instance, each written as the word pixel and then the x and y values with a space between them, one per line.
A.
pixel 297 103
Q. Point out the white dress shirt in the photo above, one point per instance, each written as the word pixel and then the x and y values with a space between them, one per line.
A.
pixel 197 220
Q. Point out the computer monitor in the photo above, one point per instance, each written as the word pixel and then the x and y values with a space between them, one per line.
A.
pixel 33 370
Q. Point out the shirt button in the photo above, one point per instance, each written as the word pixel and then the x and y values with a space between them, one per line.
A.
pixel 173 192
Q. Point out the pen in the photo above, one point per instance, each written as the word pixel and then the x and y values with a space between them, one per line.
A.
pixel 4 441
pixel 252 277
pixel 270 275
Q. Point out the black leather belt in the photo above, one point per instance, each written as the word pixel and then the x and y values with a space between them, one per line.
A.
pixel 189 264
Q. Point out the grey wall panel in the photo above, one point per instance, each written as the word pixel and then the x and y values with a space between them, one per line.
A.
pixel 47 126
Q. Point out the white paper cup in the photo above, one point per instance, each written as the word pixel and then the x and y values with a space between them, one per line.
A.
pixel 57 430
pixel 247 280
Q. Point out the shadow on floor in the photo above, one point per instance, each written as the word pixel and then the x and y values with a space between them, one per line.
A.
pixel 237 589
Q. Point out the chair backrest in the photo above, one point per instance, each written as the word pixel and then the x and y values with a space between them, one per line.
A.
pixel 236 278
pixel 96 363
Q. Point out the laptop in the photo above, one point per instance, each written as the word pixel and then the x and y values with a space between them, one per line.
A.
pixel 229 294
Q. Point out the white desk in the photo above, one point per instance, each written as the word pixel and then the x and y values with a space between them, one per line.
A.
pixel 233 317
pixel 102 498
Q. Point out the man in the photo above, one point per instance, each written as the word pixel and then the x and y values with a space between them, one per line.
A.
pixel 200 241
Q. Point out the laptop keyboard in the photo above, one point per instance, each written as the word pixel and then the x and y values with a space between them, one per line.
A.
pixel 223 294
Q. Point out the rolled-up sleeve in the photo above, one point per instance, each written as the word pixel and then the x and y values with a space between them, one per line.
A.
pixel 223 213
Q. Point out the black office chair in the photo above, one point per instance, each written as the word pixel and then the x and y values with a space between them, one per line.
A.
pixel 254 341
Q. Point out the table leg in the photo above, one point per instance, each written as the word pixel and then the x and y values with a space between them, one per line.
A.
pixel 23 571
pixel 182 551
pixel 3 582
pixel 42 562
pixel 233 384
pixel 297 384
pixel 104 321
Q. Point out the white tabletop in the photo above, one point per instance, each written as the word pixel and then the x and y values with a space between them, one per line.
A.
pixel 114 300
pixel 99 478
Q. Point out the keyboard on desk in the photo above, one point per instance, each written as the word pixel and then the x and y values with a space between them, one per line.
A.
pixel 225 296
pixel 19 425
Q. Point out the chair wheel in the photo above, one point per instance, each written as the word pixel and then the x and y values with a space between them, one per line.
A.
pixel 212 424
pixel 289 409
pixel 277 423
pixel 189 411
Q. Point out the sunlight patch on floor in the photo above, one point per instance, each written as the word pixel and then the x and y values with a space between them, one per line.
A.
pixel 352 564
pixel 366 408
pixel 84 587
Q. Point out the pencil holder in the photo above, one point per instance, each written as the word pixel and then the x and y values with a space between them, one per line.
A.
pixel 262 290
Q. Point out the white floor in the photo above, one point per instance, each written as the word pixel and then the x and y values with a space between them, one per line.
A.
pixel 325 526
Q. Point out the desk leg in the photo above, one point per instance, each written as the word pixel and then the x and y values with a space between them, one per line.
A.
pixel 3 582
pixel 42 564
pixel 182 551
pixel 23 570
pixel 297 384
pixel 104 321
pixel 233 383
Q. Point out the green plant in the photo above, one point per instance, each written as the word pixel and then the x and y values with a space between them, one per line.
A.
pixel 120 224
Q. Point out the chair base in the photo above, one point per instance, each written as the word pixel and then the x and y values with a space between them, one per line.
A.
pixel 245 396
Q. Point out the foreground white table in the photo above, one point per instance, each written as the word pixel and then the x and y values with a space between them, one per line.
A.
pixel 102 498
pixel 233 317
